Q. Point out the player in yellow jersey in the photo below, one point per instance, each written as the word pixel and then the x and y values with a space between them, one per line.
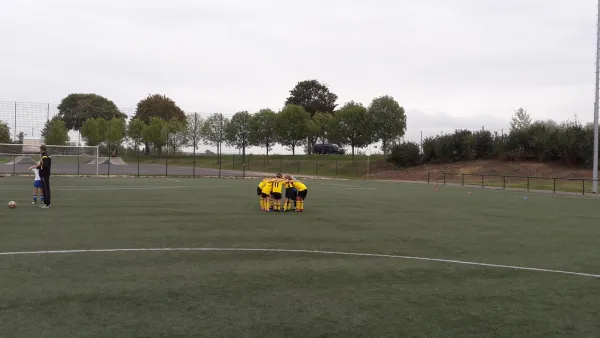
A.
pixel 302 192
pixel 259 189
pixel 277 192
pixel 290 194
pixel 265 193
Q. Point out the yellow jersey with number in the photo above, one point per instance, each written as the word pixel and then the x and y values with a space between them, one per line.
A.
pixel 278 186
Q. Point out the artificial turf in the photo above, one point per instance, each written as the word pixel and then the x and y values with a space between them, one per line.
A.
pixel 289 294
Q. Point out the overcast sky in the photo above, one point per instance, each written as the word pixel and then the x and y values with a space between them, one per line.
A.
pixel 450 63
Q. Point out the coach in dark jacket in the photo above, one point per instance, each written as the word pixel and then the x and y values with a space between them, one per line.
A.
pixel 45 167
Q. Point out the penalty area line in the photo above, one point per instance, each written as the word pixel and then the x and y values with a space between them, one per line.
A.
pixel 319 252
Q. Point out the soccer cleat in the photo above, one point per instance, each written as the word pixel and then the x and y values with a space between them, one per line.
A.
pixel 32 202
pixel 45 206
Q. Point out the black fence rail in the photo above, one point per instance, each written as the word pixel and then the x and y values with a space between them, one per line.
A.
pixel 140 165
pixel 526 183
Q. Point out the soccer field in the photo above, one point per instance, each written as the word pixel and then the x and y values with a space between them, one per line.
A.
pixel 367 259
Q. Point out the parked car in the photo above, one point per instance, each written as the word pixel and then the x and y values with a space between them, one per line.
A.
pixel 328 149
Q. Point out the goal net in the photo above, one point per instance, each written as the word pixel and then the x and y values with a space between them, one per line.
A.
pixel 65 159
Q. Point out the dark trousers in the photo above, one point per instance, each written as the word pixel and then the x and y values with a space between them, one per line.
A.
pixel 46 189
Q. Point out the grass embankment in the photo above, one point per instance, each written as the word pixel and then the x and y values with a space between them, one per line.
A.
pixel 342 166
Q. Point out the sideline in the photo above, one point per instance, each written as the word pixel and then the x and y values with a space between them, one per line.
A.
pixel 338 253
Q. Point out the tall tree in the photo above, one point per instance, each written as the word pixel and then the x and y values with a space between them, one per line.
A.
pixel 321 126
pixel 213 131
pixel 55 132
pixel 4 132
pixel 155 134
pixel 90 132
pixel 263 129
pixel 388 120
pixel 160 106
pixel 313 96
pixel 237 132
pixel 521 120
pixel 135 132
pixel 352 126
pixel 292 126
pixel 176 134
pixel 20 137
pixel 77 108
pixel 194 130
pixel 115 133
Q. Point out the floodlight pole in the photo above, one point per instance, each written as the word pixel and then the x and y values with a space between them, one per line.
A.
pixel 596 98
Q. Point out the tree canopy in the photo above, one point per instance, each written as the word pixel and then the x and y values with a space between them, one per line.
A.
pixel 263 129
pixel 313 96
pixel 155 134
pixel 4 132
pixel 292 126
pixel 55 132
pixel 160 106
pixel 77 108
pixel 237 132
pixel 213 130
pixel 352 126
pixel 388 120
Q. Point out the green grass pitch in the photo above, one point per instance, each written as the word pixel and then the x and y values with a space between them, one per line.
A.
pixel 295 294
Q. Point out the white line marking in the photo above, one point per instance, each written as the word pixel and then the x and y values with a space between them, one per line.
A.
pixel 356 254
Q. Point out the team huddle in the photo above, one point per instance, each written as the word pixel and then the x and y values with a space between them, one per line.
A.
pixel 272 190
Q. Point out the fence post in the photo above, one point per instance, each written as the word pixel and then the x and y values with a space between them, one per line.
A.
pixel 109 152
pixel 482 176
pixel 220 148
pixel 78 141
pixel 167 157
pixel 444 174
pixel 14 173
pixel 504 182
pixel 78 149
pixel 583 186
pixel 336 169
pixel 528 183
pixel 554 185
pixel 428 177
pixel 194 142
pixel 462 180
pixel 15 134
pixel 137 154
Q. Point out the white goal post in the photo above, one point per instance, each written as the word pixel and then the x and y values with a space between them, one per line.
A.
pixel 29 153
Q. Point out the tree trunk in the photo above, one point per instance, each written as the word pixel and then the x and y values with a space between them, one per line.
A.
pixel 384 145
pixel 267 157
pixel 218 153
pixel 352 152
pixel 244 155
pixel 293 149
pixel 147 148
